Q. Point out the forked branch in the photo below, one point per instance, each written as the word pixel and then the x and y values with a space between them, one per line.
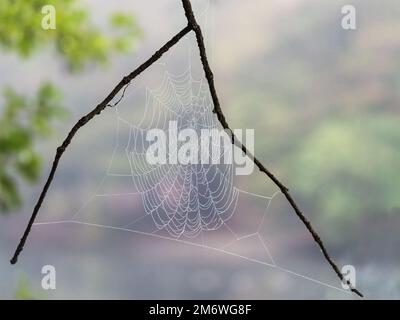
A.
pixel 192 26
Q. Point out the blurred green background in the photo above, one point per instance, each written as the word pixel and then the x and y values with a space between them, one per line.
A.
pixel 324 103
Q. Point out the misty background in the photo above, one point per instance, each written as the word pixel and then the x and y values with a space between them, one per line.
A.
pixel 324 103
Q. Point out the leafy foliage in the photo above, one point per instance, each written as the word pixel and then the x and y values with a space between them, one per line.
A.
pixel 25 291
pixel 24 121
pixel 75 38
pixel 350 167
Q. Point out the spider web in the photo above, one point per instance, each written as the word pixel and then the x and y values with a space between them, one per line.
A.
pixel 192 204
pixel 184 203
pixel 189 199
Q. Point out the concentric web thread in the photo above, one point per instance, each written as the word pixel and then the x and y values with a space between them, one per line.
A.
pixel 186 203
pixel 186 199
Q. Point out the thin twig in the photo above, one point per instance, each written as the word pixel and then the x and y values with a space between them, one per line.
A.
pixel 112 105
pixel 83 121
pixel 221 118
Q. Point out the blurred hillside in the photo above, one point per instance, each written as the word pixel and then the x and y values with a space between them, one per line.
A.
pixel 327 106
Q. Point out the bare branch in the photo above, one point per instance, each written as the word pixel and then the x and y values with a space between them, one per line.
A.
pixel 221 118
pixel 84 120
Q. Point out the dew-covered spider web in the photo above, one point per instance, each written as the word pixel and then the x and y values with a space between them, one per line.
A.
pixel 185 200
pixel 198 205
